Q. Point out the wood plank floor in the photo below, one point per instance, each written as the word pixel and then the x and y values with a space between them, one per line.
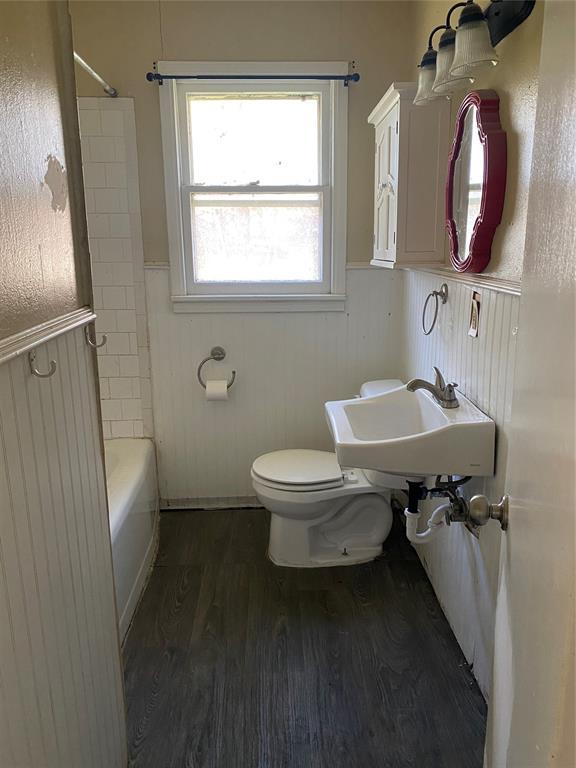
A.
pixel 232 662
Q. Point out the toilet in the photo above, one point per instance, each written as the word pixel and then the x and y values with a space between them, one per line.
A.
pixel 323 514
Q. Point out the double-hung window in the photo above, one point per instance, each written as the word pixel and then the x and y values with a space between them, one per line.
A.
pixel 255 174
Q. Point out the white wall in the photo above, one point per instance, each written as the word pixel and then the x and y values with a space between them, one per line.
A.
pixel 110 165
pixel 462 569
pixel 287 366
pixel 61 702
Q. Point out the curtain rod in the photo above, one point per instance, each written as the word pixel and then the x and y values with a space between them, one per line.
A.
pixel 107 88
pixel 346 79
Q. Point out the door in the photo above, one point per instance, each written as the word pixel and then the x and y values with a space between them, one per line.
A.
pixel 386 185
pixel 531 715
pixel 61 698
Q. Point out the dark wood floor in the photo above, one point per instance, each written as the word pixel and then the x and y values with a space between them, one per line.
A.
pixel 232 662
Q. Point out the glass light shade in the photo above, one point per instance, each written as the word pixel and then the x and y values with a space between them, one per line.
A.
pixel 426 77
pixel 446 83
pixel 474 50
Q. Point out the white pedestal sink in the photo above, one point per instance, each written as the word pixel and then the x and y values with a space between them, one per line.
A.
pixel 407 433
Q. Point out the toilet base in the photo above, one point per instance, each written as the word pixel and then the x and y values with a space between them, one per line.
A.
pixel 333 559
pixel 348 535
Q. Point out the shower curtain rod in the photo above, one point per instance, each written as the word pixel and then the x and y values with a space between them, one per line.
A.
pixel 346 79
pixel 107 88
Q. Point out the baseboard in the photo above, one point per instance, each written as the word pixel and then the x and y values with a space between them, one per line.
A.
pixel 210 502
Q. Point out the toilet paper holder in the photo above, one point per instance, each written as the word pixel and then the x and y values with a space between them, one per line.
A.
pixel 218 354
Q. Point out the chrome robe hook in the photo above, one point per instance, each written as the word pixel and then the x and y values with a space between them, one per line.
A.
pixel 91 338
pixel 35 372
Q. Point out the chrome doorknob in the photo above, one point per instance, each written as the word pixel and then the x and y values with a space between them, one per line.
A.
pixel 481 511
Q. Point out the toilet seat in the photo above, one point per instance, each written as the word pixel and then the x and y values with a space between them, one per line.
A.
pixel 299 497
pixel 317 487
pixel 298 471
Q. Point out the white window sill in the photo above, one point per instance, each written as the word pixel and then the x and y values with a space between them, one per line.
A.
pixel 260 303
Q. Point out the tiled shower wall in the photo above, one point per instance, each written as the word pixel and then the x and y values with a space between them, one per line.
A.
pixel 109 159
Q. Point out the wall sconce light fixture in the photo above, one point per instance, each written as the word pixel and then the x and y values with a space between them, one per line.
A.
pixel 427 74
pixel 474 49
pixel 464 52
pixel 446 82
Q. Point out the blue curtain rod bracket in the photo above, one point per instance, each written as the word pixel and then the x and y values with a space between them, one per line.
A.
pixel 158 77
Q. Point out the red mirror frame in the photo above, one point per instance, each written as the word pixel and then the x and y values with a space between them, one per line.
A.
pixel 493 139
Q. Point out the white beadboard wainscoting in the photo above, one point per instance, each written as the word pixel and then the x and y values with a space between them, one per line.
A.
pixel 61 700
pixel 288 365
pixel 463 569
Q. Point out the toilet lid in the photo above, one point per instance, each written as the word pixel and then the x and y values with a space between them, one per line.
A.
pixel 299 468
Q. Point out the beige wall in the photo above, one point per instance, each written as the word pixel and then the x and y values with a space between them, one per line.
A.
pixel 122 39
pixel 386 39
pixel 42 231
pixel 516 81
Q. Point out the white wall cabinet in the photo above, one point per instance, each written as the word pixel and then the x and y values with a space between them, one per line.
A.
pixel 411 159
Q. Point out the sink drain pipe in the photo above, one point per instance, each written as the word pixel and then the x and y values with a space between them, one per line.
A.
pixel 436 523
pixel 438 520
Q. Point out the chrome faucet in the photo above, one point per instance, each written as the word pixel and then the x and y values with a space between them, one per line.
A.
pixel 442 393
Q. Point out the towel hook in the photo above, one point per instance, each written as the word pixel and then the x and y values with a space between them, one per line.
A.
pixel 92 339
pixel 439 296
pixel 35 371
pixel 218 354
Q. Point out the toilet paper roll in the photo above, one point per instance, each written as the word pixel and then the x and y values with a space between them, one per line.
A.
pixel 217 390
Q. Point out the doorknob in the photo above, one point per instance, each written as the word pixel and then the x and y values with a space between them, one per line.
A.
pixel 481 511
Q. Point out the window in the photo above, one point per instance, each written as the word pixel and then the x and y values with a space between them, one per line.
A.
pixel 255 187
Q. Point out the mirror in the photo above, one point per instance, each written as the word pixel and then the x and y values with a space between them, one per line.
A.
pixel 476 181
pixel 468 177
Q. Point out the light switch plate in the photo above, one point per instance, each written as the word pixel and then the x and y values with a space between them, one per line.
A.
pixel 474 315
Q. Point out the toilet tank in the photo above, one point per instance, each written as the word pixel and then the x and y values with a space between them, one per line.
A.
pixel 371 388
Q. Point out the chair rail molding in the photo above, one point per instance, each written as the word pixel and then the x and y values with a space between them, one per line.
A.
pixel 24 341
pixel 489 282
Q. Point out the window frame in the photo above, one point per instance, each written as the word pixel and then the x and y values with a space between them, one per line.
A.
pixel 190 296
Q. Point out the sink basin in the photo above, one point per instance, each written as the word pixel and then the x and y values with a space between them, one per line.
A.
pixel 407 433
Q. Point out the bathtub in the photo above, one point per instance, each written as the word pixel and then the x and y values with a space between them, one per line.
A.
pixel 133 503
